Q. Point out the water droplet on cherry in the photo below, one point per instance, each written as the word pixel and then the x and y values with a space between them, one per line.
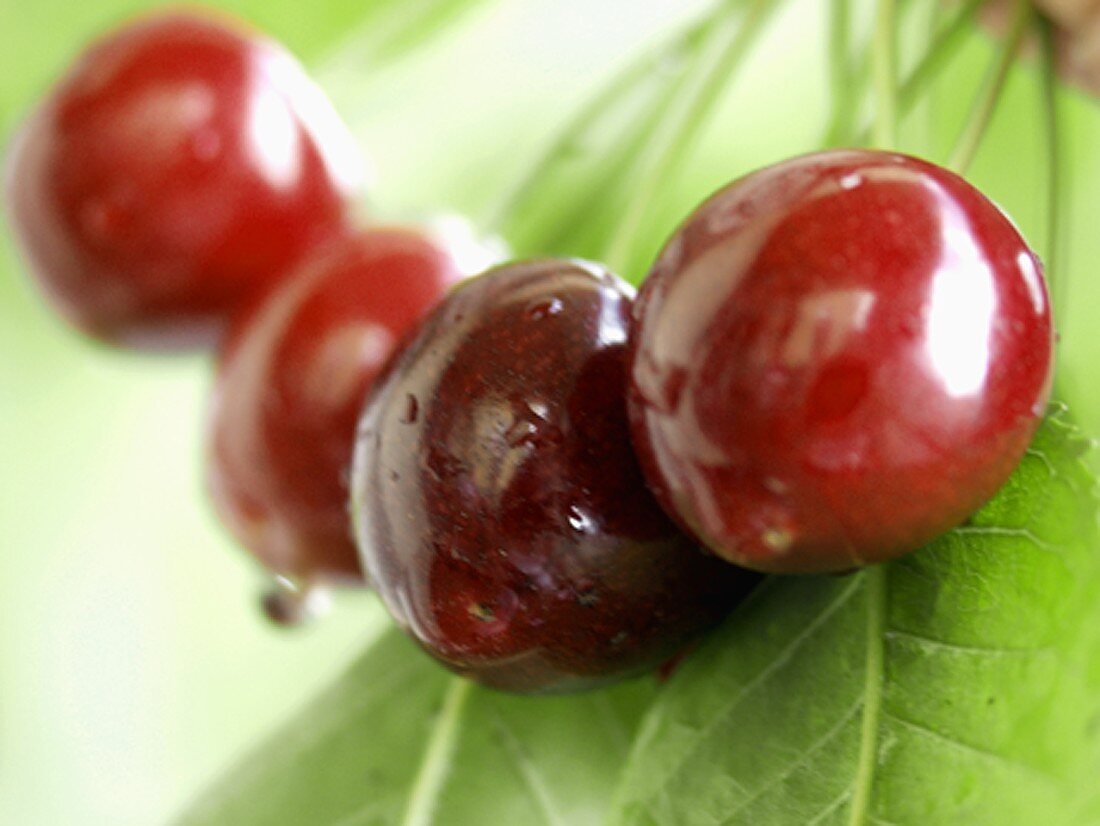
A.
pixel 411 411
pixel 543 308
pixel 289 603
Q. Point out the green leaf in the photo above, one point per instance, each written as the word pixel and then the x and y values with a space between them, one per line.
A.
pixel 958 685
pixel 399 741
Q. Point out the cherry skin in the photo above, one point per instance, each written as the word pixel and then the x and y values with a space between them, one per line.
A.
pixel 182 165
pixel 498 506
pixel 292 376
pixel 836 359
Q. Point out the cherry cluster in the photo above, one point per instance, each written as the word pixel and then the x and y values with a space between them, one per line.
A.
pixel 833 361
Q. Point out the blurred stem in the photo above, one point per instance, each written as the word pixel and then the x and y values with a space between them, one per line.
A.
pixel 921 131
pixel 1052 128
pixel 989 95
pixel 722 56
pixel 394 28
pixel 884 70
pixel 437 758
pixel 841 72
pixel 858 80
pixel 617 169
pixel 943 47
pixel 940 51
pixel 566 141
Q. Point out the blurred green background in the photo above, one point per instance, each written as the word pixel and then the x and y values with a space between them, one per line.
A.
pixel 134 665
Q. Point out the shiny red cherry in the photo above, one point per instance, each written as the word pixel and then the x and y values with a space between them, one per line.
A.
pixel 183 164
pixel 292 377
pixel 836 359
pixel 499 508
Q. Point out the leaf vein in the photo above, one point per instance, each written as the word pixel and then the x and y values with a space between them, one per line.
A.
pixel 831 807
pixel 1013 533
pixel 969 748
pixel 438 756
pixel 527 770
pixel 816 746
pixel 784 656
pixel 945 645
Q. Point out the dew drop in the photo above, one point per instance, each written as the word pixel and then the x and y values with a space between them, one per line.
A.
pixel 521 432
pixel 412 409
pixel 290 604
pixel 543 308
pixel 580 521
pixel 538 409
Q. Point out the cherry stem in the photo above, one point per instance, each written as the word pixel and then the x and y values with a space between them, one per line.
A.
pixel 841 72
pixel 884 69
pixel 389 31
pixel 922 131
pixel 1053 133
pixel 943 47
pixel 990 92
pixel 722 57
pixel 565 142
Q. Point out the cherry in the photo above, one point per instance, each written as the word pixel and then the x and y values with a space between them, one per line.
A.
pixel 836 359
pixel 498 505
pixel 293 373
pixel 183 164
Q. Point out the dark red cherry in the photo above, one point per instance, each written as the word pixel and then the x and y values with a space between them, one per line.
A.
pixel 184 163
pixel 292 377
pixel 836 359
pixel 499 508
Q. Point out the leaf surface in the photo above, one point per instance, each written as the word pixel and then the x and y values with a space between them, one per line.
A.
pixel 957 685
pixel 399 741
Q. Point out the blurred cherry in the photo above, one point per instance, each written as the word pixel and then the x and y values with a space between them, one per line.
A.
pixel 183 164
pixel 292 378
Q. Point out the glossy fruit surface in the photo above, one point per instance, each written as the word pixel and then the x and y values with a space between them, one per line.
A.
pixel 183 164
pixel 498 505
pixel 292 378
pixel 836 359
